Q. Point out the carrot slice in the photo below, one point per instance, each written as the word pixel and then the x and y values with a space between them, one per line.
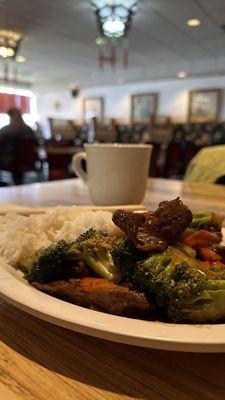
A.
pixel 209 264
pixel 209 254
pixel 201 238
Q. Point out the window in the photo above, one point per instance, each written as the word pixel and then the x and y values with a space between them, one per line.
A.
pixel 8 100
pixel 22 99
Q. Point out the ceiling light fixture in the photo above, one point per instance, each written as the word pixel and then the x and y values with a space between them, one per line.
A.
pixel 182 74
pixel 193 22
pixel 9 43
pixel 114 19
pixel 113 28
pixel 21 59
pixel 114 16
pixel 6 52
pixel 73 90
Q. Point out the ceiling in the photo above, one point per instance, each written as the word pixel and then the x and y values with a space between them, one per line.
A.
pixel 59 41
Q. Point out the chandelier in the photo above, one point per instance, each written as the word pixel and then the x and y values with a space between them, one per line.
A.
pixel 9 43
pixel 114 19
pixel 114 16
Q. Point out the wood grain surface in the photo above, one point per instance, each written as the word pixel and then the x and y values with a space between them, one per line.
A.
pixel 40 361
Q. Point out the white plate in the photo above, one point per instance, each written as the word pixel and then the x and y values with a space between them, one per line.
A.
pixel 159 335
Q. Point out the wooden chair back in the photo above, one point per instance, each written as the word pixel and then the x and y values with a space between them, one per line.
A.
pixel 62 128
pixel 160 129
pixel 173 162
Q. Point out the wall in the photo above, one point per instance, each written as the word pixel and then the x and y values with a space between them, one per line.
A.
pixel 173 98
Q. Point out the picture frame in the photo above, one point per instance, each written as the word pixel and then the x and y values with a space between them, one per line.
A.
pixel 204 105
pixel 93 107
pixel 143 106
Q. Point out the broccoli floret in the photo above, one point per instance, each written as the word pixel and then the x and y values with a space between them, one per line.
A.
pixel 208 305
pixel 90 233
pixel 54 262
pixel 180 288
pixel 95 250
pixel 125 257
pixel 50 264
pixel 201 218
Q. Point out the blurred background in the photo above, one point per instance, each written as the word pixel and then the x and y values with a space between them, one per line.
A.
pixel 77 71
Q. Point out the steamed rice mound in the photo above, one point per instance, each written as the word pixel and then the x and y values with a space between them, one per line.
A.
pixel 21 237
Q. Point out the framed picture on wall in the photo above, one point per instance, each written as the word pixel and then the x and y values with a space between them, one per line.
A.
pixel 93 107
pixel 143 106
pixel 204 105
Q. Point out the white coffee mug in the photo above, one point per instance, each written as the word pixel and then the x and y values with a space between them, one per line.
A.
pixel 116 173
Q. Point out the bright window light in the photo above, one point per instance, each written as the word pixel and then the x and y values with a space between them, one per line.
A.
pixel 4 120
pixel 28 118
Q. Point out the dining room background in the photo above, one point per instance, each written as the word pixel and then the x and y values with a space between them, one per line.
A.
pixel 173 98
pixel 87 72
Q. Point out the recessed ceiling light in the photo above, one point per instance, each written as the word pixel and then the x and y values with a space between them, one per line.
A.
pixel 120 81
pixel 21 59
pixel 193 22
pixel 182 74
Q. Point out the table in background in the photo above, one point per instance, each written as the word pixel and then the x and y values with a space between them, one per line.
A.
pixel 41 361
pixel 59 159
pixel 70 150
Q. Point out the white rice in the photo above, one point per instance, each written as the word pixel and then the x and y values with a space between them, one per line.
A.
pixel 21 236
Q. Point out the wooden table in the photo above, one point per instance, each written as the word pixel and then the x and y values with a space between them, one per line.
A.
pixel 40 361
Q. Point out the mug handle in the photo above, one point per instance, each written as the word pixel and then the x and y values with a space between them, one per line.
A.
pixel 76 165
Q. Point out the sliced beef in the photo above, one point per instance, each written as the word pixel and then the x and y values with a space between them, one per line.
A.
pixel 154 231
pixel 79 269
pixel 89 292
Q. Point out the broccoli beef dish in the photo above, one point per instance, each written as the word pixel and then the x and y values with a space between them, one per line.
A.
pixel 167 264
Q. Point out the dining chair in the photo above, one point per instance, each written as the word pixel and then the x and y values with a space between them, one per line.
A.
pixel 173 161
pixel 189 152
